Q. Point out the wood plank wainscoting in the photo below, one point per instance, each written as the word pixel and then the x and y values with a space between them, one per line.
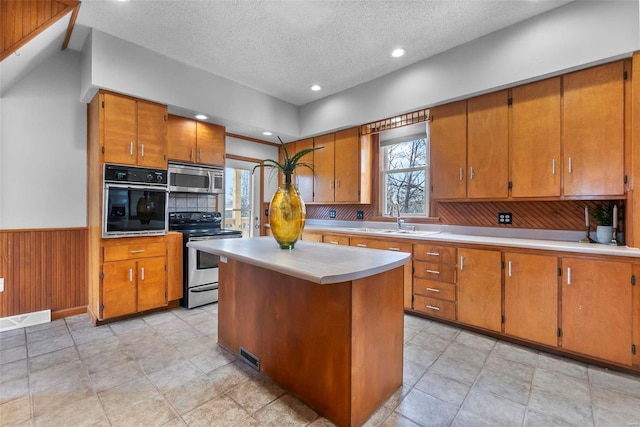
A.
pixel 44 269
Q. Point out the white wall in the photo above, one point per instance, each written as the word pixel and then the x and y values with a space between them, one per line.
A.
pixel 573 36
pixel 126 68
pixel 43 166
pixel 254 150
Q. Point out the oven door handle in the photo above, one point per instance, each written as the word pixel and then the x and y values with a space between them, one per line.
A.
pixel 141 186
pixel 198 239
pixel 204 289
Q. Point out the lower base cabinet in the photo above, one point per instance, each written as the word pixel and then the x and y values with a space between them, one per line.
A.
pixel 531 297
pixel 134 276
pixel 597 309
pixel 480 288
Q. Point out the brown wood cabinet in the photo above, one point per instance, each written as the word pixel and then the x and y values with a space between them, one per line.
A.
pixel 175 286
pixel 309 236
pixel 391 245
pixel 597 312
pixel 531 297
pixel 134 131
pixel 192 141
pixel 434 280
pixel 448 142
pixel 341 168
pixel 480 288
pixel 488 146
pixel 336 239
pixel 134 276
pixel 535 139
pixel 593 131
pixel 303 176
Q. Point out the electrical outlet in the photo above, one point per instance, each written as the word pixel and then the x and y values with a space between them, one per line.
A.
pixel 1 284
pixel 504 217
pixel 360 215
pixel 266 212
pixel 332 213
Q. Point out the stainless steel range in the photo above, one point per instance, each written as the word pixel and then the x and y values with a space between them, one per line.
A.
pixel 200 268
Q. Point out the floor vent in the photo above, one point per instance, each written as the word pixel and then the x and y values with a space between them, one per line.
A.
pixel 251 359
pixel 24 320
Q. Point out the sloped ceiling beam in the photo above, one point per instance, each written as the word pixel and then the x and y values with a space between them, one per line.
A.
pixel 22 20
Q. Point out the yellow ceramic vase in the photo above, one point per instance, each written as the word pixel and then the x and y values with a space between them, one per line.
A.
pixel 287 214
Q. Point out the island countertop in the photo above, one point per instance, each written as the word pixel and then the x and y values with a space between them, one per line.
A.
pixel 315 262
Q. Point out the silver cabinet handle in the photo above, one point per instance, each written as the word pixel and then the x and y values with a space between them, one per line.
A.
pixel 361 245
pixel 131 148
pixel 142 273
pixel 570 165
pixel 433 307
pixel 200 155
pixel 330 183
pixel 191 154
pixel 568 275
pixel 142 150
pixel 433 253
pixel 333 242
pixel 337 183
pixel 131 274
pixel 433 271
pixel 433 290
pixel 471 172
pixel 553 166
pixel 137 251
pixel 461 263
pixel 509 268
pixel 460 174
pixel 394 249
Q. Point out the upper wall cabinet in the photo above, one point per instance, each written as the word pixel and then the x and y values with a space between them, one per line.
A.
pixel 195 142
pixel 134 132
pixel 448 136
pixel 559 137
pixel 342 170
pixel 535 139
pixel 303 176
pixel 488 146
pixel 593 131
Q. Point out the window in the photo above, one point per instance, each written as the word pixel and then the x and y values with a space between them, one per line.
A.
pixel 405 175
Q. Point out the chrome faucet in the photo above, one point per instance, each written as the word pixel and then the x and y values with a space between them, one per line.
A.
pixel 399 220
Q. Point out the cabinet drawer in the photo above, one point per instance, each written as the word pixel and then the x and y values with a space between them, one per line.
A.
pixel 442 254
pixel 396 246
pixel 435 307
pixel 133 251
pixel 336 239
pixel 434 271
pixel 445 291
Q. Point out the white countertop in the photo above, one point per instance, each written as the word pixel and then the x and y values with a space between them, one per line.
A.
pixel 315 262
pixel 436 236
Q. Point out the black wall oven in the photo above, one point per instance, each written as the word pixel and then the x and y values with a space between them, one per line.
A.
pixel 135 201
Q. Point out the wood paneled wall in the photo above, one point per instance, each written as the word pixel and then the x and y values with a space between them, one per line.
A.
pixel 545 215
pixel 22 20
pixel 43 269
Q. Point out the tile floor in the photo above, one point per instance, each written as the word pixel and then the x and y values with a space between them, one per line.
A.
pixel 165 369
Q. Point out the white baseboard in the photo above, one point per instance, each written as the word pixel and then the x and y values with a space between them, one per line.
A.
pixel 24 320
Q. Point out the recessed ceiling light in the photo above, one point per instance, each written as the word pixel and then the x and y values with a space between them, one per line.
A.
pixel 201 117
pixel 316 88
pixel 397 53
pixel 267 133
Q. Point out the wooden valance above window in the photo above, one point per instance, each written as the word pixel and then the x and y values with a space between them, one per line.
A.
pixel 395 122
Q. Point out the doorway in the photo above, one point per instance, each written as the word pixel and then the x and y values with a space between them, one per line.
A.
pixel 242 196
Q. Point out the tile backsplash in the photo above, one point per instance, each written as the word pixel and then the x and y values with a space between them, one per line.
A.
pixel 180 202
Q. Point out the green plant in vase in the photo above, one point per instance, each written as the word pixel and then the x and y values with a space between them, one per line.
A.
pixel 287 212
pixel 603 216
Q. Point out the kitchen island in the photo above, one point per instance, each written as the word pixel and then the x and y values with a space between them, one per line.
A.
pixel 323 321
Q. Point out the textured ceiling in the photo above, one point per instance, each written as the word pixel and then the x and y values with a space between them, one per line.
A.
pixel 281 48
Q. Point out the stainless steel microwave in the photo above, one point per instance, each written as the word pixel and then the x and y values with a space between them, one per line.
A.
pixel 184 178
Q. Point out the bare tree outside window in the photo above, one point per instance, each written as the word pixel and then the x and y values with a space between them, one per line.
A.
pixel 405 178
